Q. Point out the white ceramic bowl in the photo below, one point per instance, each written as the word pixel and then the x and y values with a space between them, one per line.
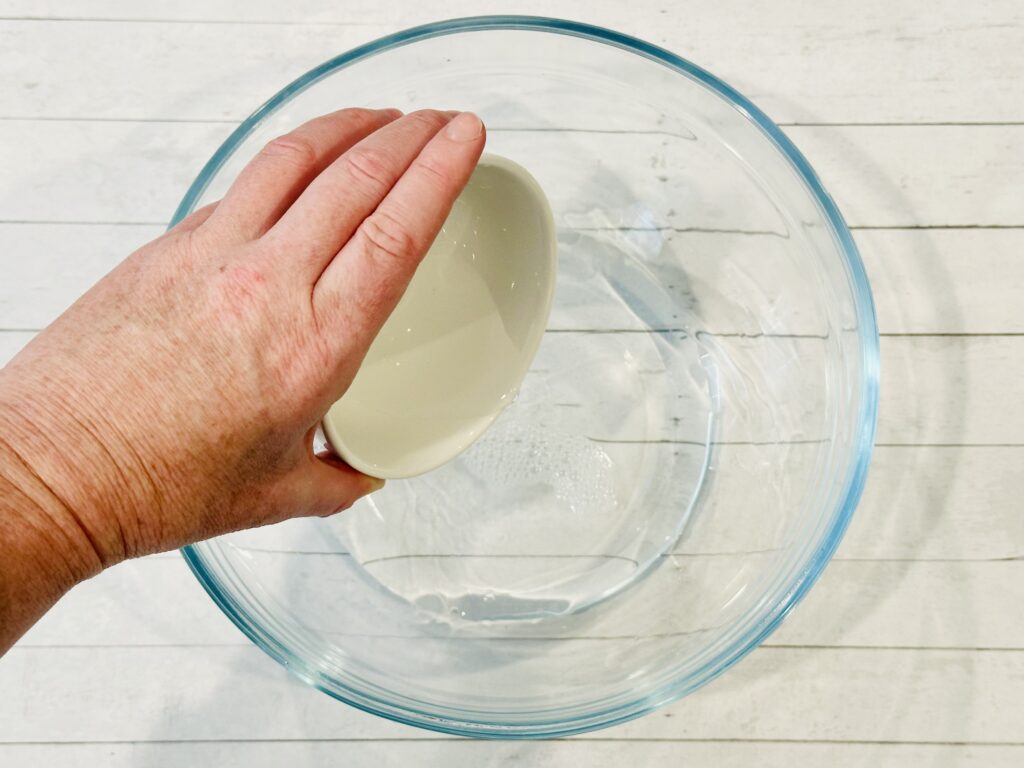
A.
pixel 454 352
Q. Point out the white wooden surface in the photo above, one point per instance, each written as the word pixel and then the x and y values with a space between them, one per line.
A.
pixel 910 651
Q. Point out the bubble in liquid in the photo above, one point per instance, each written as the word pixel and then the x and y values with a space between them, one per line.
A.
pixel 575 469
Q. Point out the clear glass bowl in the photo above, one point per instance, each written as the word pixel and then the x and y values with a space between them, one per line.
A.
pixel 685 452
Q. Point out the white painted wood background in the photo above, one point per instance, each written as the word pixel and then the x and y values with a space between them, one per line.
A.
pixel 909 651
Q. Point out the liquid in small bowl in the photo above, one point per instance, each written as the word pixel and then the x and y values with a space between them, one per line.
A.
pixel 453 353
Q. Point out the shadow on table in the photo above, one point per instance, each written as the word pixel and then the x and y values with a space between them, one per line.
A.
pixel 907 500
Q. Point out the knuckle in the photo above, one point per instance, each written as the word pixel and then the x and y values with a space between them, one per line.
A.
pixel 435 172
pixel 361 114
pixel 293 149
pixel 369 165
pixel 335 509
pixel 386 237
pixel 429 118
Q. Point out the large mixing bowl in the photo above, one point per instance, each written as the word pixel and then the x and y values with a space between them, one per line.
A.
pixel 685 452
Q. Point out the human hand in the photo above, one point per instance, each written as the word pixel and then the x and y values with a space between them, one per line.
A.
pixel 178 398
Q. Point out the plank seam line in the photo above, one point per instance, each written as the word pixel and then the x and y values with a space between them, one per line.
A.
pixel 543 638
pixel 561 740
pixel 853 227
pixel 783 124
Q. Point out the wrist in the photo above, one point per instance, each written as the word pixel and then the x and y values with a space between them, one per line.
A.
pixel 49 494
pixel 38 525
pixel 42 550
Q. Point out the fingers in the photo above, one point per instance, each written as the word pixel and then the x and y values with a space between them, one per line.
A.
pixel 272 181
pixel 361 286
pixel 324 484
pixel 334 204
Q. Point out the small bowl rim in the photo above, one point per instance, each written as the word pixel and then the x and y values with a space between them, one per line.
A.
pixel 594 718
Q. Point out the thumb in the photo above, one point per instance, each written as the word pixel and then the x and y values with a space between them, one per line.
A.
pixel 323 484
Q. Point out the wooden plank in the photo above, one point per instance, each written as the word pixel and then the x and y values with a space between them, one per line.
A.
pixel 878 604
pixel 100 171
pixel 924 281
pixel 948 506
pixel 211 82
pixel 131 694
pixel 150 693
pixel 549 754
pixel 45 267
pixel 945 390
pixel 887 176
pixel 11 342
pixel 911 605
pixel 151 601
pixel 834 694
pixel 945 280
pixel 929 503
pixel 880 175
pixel 794 60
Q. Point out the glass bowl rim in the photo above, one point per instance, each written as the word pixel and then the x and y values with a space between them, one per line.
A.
pixel 853 482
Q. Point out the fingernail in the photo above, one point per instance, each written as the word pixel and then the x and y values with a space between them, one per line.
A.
pixel 375 484
pixel 391 112
pixel 451 113
pixel 464 127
